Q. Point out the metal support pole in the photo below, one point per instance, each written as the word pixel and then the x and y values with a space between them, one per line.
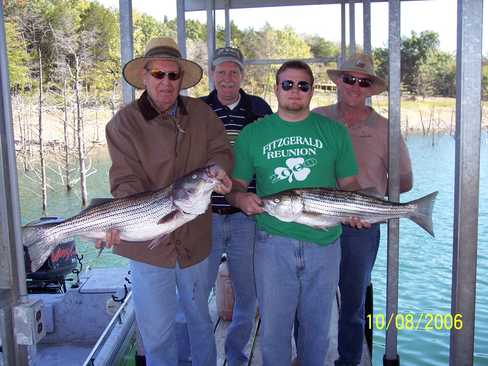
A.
pixel 343 32
pixel 181 26
pixel 391 357
pixel 367 33
pixel 367 26
pixel 181 32
pixel 466 189
pixel 126 44
pixel 13 288
pixel 352 27
pixel 228 30
pixel 210 38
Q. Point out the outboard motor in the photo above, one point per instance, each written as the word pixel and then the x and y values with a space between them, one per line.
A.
pixel 51 276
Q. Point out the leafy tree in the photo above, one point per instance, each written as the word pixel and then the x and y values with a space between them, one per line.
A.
pixel 195 30
pixel 320 47
pixel 414 52
pixel 147 27
pixel 105 48
pixel 425 70
pixel 484 82
pixel 437 75
pixel 17 57
pixel 380 58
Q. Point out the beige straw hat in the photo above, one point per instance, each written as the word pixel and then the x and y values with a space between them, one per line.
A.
pixel 162 49
pixel 363 63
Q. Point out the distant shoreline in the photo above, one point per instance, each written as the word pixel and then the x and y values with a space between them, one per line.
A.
pixel 418 117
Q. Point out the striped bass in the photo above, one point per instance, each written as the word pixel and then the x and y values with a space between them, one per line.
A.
pixel 321 208
pixel 140 217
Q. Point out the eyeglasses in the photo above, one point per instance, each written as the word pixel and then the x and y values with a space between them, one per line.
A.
pixel 351 80
pixel 302 85
pixel 158 74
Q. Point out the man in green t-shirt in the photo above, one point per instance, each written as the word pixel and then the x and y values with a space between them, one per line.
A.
pixel 296 266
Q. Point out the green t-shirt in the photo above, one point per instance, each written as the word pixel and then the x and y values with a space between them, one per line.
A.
pixel 283 155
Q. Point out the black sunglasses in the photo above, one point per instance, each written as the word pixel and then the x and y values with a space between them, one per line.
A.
pixel 302 85
pixel 362 82
pixel 158 74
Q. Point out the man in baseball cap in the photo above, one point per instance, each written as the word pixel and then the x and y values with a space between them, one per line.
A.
pixel 233 231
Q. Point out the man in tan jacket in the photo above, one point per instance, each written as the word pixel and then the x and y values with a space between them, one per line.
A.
pixel 153 141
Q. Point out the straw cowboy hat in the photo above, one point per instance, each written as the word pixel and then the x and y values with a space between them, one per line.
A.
pixel 161 49
pixel 360 62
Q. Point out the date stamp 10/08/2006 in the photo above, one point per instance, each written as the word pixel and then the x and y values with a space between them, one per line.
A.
pixel 415 321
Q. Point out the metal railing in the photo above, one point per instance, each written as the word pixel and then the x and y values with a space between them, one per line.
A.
pixel 123 315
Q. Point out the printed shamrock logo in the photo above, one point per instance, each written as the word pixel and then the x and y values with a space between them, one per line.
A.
pixel 296 168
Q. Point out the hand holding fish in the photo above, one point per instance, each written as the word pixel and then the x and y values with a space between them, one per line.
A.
pixel 112 237
pixel 357 223
pixel 225 184
pixel 249 203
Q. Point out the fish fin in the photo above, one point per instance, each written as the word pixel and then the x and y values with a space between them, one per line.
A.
pixel 39 245
pixel 156 241
pixel 94 202
pixel 321 227
pixel 423 214
pixel 172 215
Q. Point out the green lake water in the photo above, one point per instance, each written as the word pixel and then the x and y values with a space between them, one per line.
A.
pixel 425 262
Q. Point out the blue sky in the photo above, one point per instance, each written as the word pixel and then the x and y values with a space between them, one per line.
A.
pixel 324 20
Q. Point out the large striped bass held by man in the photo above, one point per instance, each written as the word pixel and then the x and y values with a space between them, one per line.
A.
pixel 322 208
pixel 140 217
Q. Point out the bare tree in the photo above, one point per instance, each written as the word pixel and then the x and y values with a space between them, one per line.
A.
pixel 74 48
pixel 37 32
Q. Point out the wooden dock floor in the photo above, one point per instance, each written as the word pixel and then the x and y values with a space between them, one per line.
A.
pixel 253 349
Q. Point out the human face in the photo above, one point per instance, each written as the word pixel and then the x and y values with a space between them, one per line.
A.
pixel 163 92
pixel 227 77
pixel 353 95
pixel 294 100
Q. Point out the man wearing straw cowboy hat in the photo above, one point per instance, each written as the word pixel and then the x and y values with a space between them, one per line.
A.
pixel 153 141
pixel 356 80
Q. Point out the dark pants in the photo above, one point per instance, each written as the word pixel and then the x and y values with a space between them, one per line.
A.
pixel 358 254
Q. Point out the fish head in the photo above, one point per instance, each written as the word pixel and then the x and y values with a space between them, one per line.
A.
pixel 192 193
pixel 285 206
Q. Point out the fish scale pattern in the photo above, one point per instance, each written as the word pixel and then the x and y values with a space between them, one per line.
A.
pixel 344 204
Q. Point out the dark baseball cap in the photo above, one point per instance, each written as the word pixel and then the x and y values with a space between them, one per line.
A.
pixel 228 54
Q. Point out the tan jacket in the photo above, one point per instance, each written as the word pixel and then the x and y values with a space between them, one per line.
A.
pixel 149 151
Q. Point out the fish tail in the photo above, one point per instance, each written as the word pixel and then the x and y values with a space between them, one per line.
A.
pixel 38 243
pixel 422 216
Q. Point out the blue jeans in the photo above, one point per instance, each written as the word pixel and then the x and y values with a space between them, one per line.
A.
pixel 359 248
pixel 295 277
pixel 155 302
pixel 234 234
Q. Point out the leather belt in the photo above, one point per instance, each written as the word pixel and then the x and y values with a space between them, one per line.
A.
pixel 229 210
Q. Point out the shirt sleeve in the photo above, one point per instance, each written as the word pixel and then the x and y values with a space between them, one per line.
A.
pixel 346 164
pixel 126 171
pixel 244 166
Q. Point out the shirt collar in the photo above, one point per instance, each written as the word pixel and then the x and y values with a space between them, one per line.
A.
pixel 149 111
pixel 216 102
pixel 235 104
